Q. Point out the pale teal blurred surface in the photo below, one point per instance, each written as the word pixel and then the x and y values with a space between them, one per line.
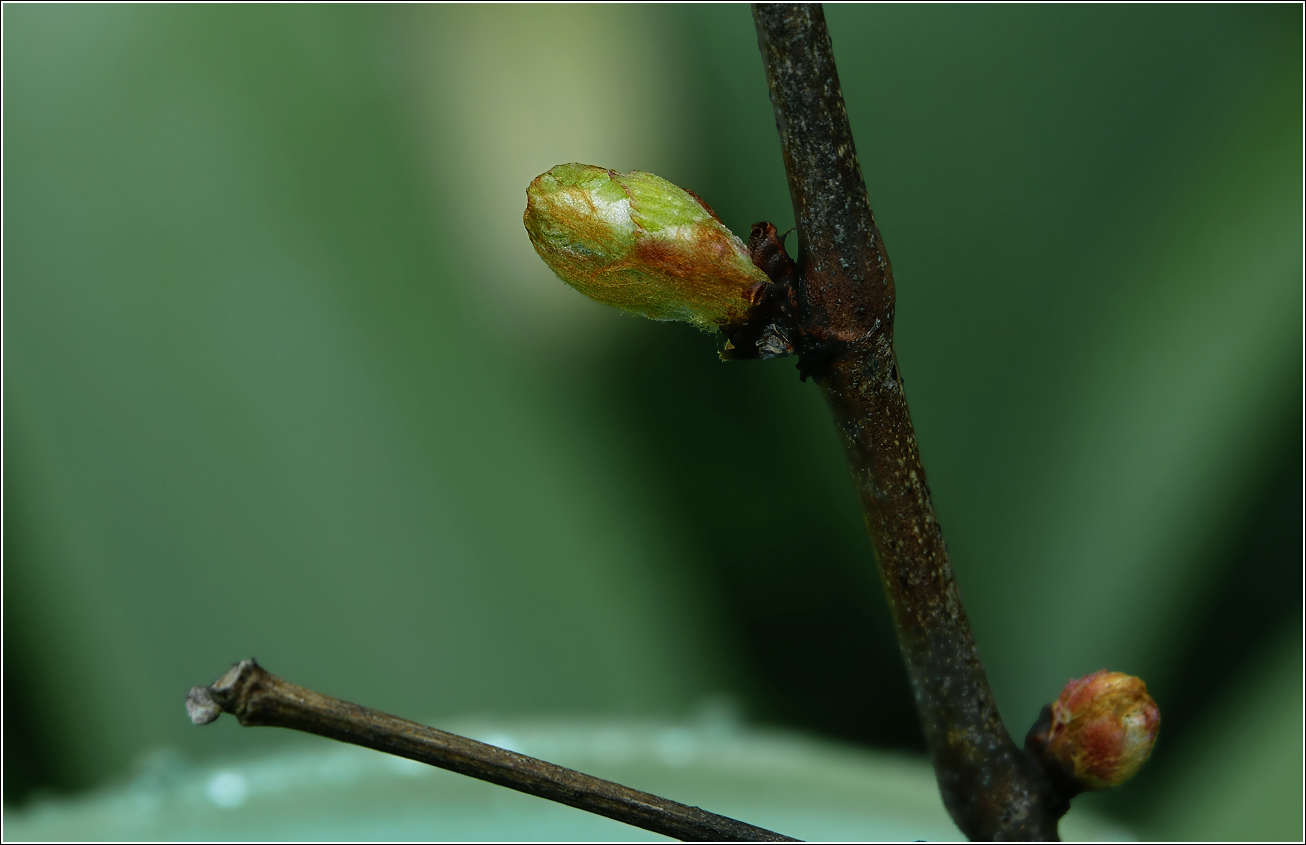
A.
pixel 284 378
pixel 811 790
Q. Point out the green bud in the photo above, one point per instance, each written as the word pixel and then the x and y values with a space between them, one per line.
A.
pixel 636 241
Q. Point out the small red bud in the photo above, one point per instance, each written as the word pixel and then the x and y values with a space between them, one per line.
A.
pixel 1103 728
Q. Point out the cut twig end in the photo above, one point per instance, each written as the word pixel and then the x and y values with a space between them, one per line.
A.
pixel 201 706
pixel 205 704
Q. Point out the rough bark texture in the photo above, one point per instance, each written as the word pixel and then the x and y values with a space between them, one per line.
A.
pixel 844 306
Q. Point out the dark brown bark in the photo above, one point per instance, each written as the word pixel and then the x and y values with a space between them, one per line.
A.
pixel 843 294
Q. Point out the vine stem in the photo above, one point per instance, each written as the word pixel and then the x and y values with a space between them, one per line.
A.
pixel 844 308
pixel 257 697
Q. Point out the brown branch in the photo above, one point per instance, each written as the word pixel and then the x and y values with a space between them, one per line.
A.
pixel 257 697
pixel 844 308
pixel 835 309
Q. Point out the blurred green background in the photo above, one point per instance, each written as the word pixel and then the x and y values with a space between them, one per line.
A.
pixel 284 378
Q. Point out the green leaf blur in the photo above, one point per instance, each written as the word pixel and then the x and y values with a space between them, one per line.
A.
pixel 284 378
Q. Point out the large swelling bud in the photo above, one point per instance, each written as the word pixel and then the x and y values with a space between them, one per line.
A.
pixel 636 241
pixel 1102 728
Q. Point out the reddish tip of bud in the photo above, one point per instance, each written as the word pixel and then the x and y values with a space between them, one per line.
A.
pixel 1103 728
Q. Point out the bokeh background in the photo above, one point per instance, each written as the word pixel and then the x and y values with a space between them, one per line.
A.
pixel 283 377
